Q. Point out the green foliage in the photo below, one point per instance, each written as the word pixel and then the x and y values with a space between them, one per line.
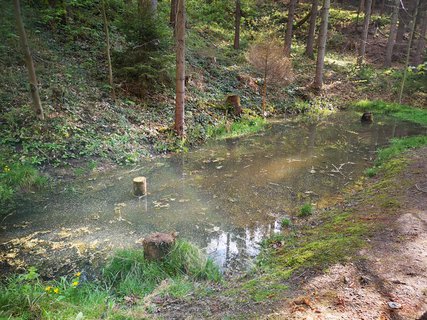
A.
pixel 25 296
pixel 17 176
pixel 286 223
pixel 228 129
pixel 306 210
pixel 129 273
pixel 398 111
pixel 398 146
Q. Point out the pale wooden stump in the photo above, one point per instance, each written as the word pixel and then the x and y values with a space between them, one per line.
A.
pixel 158 245
pixel 140 186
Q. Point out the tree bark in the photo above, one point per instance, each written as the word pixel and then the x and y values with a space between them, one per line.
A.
pixel 180 68
pixel 392 35
pixel 421 43
pixel 408 51
pixel 238 15
pixel 311 30
pixel 34 86
pixel 172 17
pixel 359 10
pixel 108 48
pixel 364 37
pixel 140 186
pixel 318 79
pixel 289 27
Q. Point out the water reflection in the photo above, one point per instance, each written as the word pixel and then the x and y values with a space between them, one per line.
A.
pixel 226 197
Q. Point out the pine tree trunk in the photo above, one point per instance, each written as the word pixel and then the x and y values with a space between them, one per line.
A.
pixel 311 30
pixel 180 68
pixel 318 79
pixel 364 37
pixel 392 35
pixel 238 15
pixel 421 43
pixel 34 87
pixel 408 51
pixel 289 27
pixel 107 42
pixel 172 17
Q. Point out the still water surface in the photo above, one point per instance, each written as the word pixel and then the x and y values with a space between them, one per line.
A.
pixel 225 197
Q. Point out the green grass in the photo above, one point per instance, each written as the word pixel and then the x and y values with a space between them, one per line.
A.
pixel 401 112
pixel 306 210
pixel 238 128
pixel 127 274
pixel 17 176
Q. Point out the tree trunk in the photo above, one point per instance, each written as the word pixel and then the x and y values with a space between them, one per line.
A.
pixel 408 51
pixel 289 27
pixel 158 245
pixel 421 43
pixel 382 7
pixel 264 95
pixel 238 15
pixel 140 186
pixel 34 87
pixel 107 42
pixel 364 37
pixel 318 79
pixel 180 68
pixel 359 10
pixel 172 17
pixel 392 35
pixel 311 30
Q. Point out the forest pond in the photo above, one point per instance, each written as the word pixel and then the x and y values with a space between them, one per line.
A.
pixel 225 196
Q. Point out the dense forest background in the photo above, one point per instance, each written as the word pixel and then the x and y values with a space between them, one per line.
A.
pixel 106 71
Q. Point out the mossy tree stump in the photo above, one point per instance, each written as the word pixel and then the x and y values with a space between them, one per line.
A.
pixel 158 245
pixel 140 186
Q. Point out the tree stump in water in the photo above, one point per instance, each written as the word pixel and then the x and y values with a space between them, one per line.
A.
pixel 140 186
pixel 367 117
pixel 234 101
pixel 158 245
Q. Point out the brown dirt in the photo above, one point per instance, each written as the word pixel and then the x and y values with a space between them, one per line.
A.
pixel 392 269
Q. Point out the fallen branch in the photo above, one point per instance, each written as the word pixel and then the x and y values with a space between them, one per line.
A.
pixel 419 189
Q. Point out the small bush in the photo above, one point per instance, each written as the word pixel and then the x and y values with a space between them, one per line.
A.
pixel 306 210
pixel 286 223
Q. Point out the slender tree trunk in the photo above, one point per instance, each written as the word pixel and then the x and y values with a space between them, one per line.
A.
pixel 172 17
pixel 421 43
pixel 359 10
pixel 392 35
pixel 311 30
pixel 408 51
pixel 264 94
pixel 180 68
pixel 318 79
pixel 238 15
pixel 364 37
pixel 289 27
pixel 34 86
pixel 401 27
pixel 382 7
pixel 107 42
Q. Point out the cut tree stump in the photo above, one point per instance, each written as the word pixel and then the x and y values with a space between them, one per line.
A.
pixel 140 186
pixel 158 245
pixel 367 117
pixel 234 101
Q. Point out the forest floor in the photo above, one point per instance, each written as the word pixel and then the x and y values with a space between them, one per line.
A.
pixel 386 279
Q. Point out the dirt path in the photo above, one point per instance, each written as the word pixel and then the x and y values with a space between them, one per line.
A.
pixel 390 281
